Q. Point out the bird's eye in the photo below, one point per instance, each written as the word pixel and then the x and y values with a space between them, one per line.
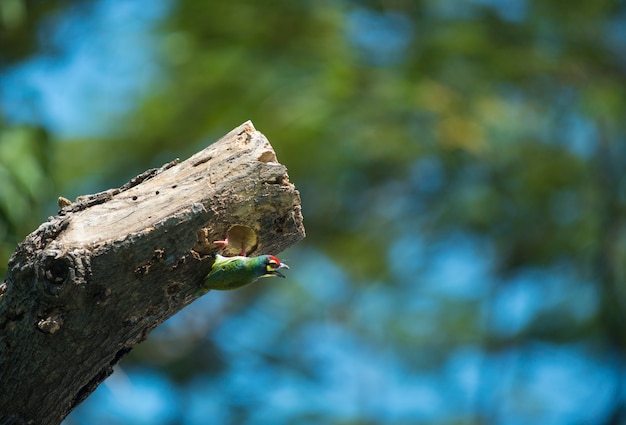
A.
pixel 273 263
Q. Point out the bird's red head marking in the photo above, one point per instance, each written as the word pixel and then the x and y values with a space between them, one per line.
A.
pixel 272 266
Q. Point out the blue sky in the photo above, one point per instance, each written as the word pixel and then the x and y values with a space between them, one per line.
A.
pixel 100 61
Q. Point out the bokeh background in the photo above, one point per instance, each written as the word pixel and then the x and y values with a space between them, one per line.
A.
pixel 462 168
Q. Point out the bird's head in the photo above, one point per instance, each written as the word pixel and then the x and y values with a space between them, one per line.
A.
pixel 272 264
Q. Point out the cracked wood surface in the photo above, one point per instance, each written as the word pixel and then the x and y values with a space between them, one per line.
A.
pixel 91 283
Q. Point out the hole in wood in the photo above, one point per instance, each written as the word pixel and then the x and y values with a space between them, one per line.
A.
pixel 268 156
pixel 242 239
pixel 202 161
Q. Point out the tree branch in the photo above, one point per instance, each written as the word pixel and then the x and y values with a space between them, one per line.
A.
pixel 93 281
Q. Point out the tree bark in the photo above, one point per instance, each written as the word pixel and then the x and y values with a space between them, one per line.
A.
pixel 92 282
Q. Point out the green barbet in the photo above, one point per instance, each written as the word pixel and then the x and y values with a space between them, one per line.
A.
pixel 238 271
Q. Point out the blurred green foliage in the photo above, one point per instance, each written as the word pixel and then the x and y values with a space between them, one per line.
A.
pixel 462 173
pixel 25 177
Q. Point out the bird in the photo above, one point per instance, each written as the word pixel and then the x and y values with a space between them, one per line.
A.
pixel 234 272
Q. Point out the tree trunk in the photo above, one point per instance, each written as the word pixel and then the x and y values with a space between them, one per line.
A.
pixel 93 281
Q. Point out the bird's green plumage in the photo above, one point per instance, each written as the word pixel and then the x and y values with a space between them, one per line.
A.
pixel 238 271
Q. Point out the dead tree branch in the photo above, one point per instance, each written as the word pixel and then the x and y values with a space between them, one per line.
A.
pixel 93 281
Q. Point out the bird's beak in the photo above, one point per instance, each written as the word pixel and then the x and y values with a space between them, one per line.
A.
pixel 277 273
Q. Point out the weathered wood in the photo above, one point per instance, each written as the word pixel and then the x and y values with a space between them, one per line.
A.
pixel 92 282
